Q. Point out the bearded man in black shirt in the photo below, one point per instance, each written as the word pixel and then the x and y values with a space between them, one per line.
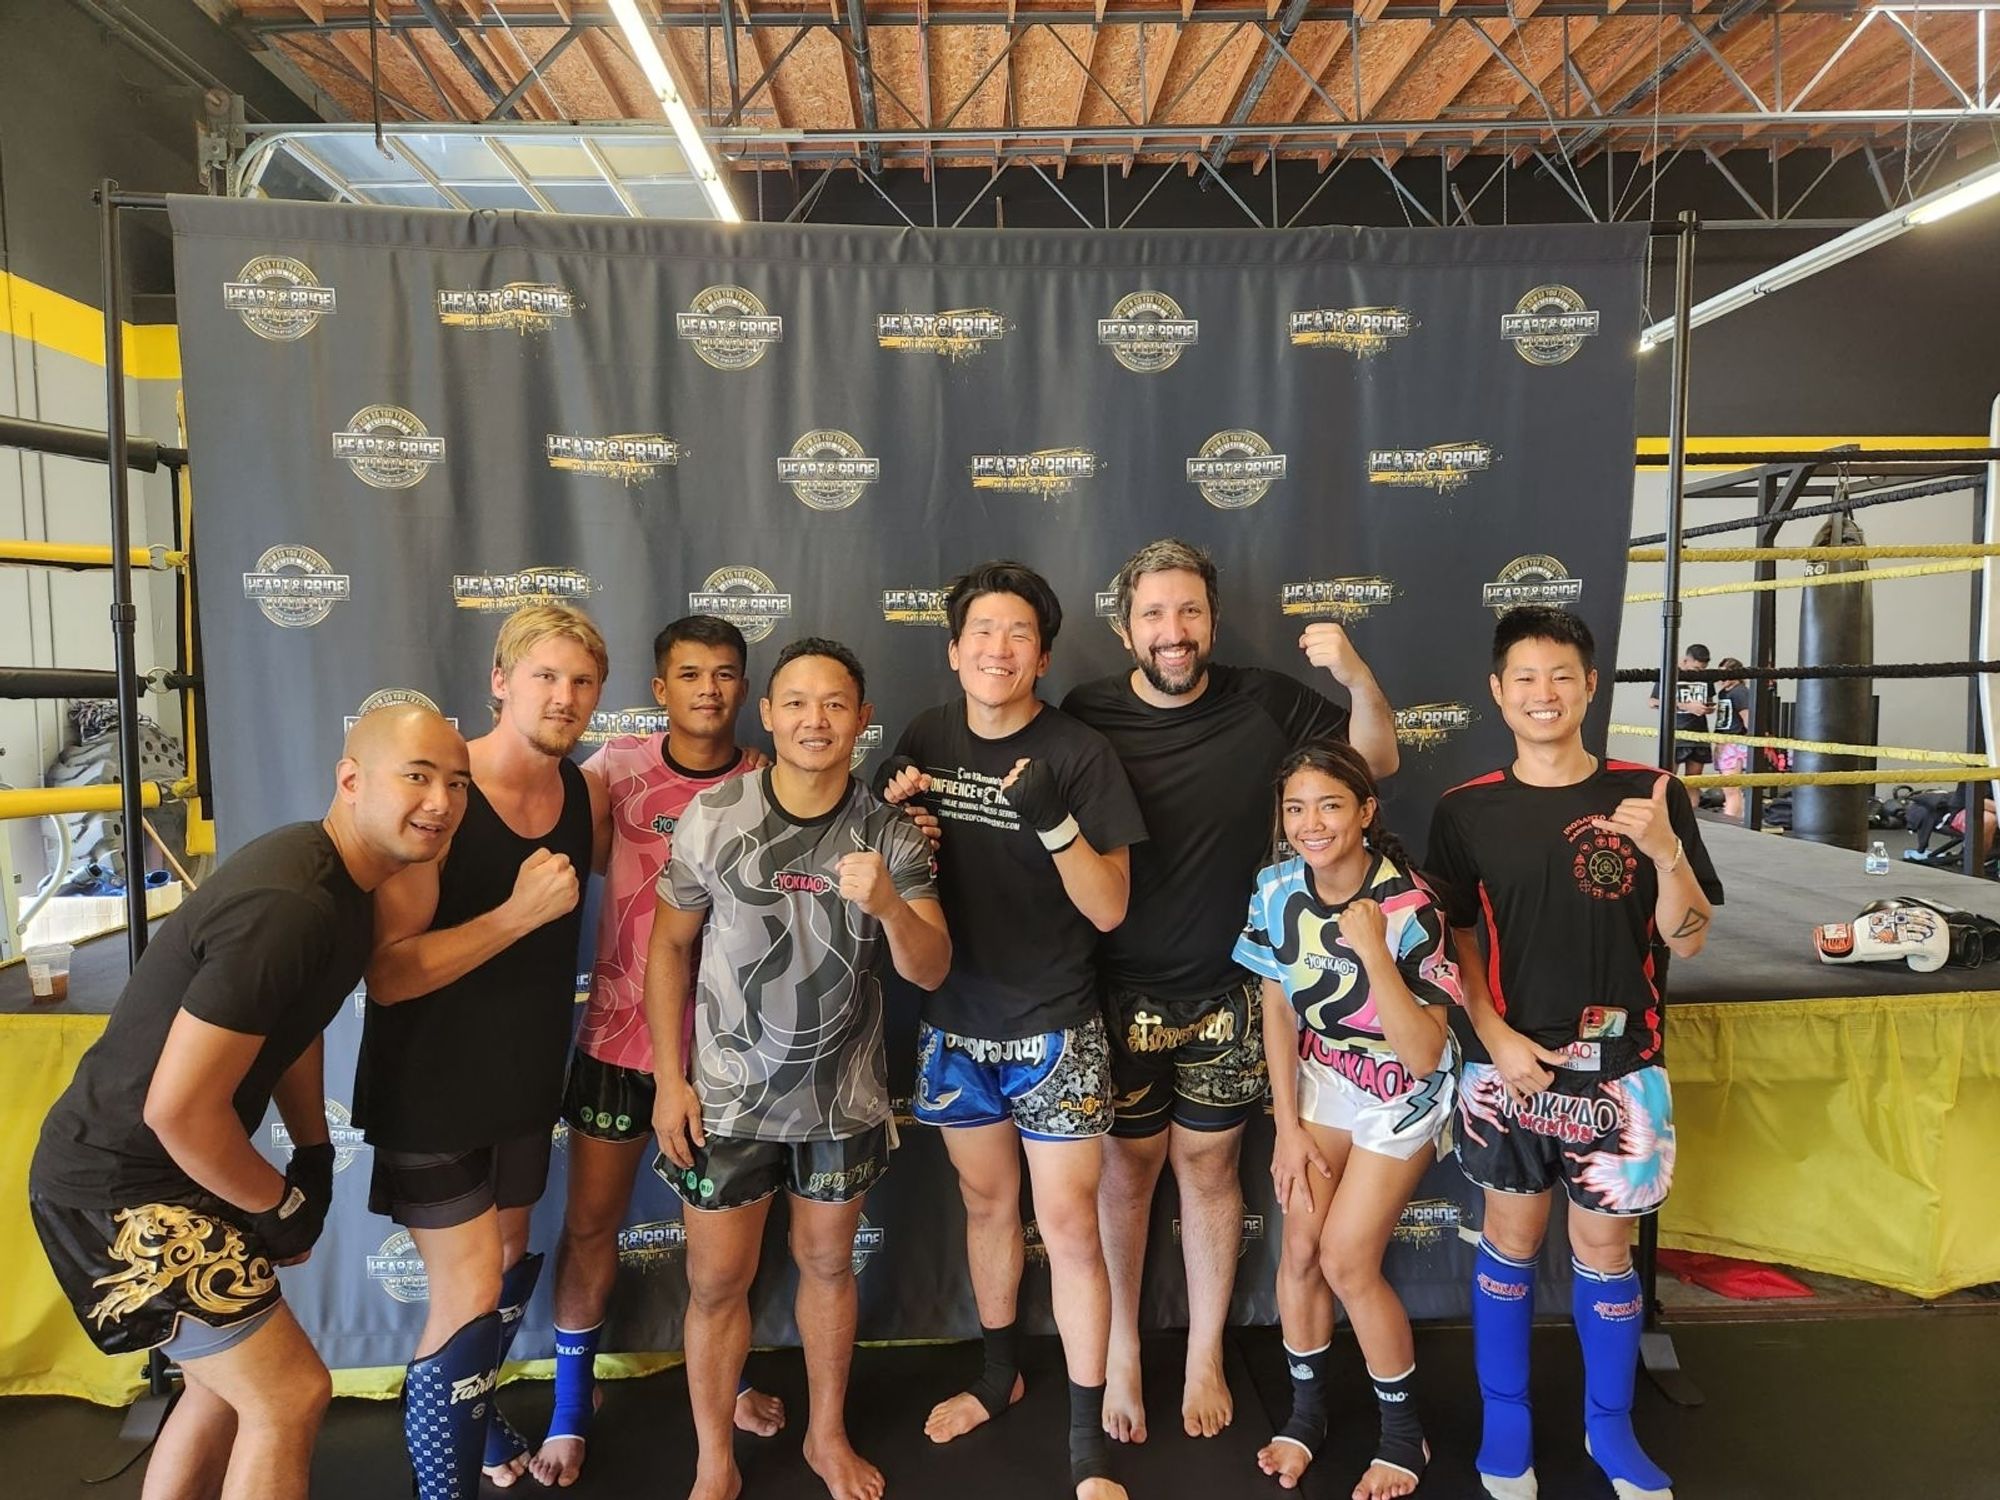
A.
pixel 161 1221
pixel 1200 744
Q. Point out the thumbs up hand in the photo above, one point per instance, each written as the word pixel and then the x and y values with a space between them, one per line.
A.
pixel 1646 821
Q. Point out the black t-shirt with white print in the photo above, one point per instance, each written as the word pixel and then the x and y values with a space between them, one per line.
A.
pixel 1022 957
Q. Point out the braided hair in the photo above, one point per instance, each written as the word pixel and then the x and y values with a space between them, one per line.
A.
pixel 1343 763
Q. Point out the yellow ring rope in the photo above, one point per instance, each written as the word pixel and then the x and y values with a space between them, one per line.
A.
pixel 1889 774
pixel 1813 747
pixel 1817 554
pixel 1816 580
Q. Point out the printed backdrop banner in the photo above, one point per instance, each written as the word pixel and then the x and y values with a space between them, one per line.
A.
pixel 406 423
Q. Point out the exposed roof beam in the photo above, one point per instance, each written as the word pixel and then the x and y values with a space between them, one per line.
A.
pixel 1272 49
pixel 864 74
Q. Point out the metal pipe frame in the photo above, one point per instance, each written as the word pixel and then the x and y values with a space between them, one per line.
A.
pixel 124 614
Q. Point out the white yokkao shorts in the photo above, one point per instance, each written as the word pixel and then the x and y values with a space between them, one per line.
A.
pixel 1375 1099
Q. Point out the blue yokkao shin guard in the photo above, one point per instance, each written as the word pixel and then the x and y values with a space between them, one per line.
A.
pixel 1503 1318
pixel 503 1443
pixel 1610 1314
pixel 446 1399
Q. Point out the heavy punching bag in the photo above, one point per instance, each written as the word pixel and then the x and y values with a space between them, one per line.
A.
pixel 1836 624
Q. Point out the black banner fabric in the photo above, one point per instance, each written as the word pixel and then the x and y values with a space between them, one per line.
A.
pixel 404 424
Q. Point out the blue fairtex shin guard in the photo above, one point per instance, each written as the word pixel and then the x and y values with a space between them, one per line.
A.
pixel 503 1443
pixel 576 1383
pixel 1503 1317
pixel 446 1399
pixel 1610 1315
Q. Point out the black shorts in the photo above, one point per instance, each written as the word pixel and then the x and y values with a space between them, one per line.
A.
pixel 1692 754
pixel 731 1172
pixel 442 1189
pixel 133 1274
pixel 1609 1142
pixel 607 1102
pixel 1197 1064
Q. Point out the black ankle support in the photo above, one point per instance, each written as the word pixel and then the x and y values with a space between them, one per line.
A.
pixel 1089 1449
pixel 1402 1433
pixel 994 1389
pixel 1307 1424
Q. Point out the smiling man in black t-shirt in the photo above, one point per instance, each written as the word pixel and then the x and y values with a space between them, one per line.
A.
pixel 161 1221
pixel 1200 744
pixel 1036 820
pixel 1584 874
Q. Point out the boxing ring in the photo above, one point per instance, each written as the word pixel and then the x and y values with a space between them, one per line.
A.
pixel 1838 1118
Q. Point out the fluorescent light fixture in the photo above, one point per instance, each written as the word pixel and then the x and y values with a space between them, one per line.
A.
pixel 646 52
pixel 1975 189
pixel 1981 185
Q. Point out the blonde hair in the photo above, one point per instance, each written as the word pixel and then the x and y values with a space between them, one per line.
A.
pixel 530 625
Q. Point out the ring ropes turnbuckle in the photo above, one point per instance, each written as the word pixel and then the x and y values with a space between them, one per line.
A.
pixel 28 554
pixel 38 802
pixel 1810 747
pixel 1815 580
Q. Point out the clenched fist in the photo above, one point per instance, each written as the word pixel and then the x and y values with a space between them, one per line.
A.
pixel 545 889
pixel 1326 646
pixel 1364 929
pixel 864 880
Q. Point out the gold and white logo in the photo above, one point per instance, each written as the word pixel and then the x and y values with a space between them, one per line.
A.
pixel 524 306
pixel 1425 726
pixel 278 298
pixel 1253 1231
pixel 645 1246
pixel 1428 1221
pixel 827 469
pixel 1548 325
pixel 866 743
pixel 629 457
pixel 388 447
pixel 1104 603
pixel 341 1130
pixel 612 723
pixel 729 327
pixel 385 697
pixel 295 586
pixel 957 334
pixel 1353 598
pixel 868 1238
pixel 913 606
pixel 399 1269
pixel 1147 331
pixel 1536 578
pixel 1364 331
pixel 509 591
pixel 1235 469
pixel 745 597
pixel 1046 472
pixel 1441 467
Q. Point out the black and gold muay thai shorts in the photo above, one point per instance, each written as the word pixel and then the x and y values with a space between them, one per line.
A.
pixel 134 1275
pixel 1197 1064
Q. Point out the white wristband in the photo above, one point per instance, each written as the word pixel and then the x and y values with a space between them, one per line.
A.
pixel 1061 836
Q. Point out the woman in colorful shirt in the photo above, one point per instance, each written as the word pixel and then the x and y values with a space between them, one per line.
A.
pixel 1357 981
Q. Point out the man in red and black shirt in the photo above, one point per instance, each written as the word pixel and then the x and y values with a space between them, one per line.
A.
pixel 1581 875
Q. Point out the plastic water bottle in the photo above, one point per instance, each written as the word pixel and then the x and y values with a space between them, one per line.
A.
pixel 1877 862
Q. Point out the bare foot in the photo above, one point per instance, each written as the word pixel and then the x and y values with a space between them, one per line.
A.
pixel 1385 1482
pixel 1285 1462
pixel 1124 1401
pixel 1206 1405
pixel 725 1482
pixel 559 1461
pixel 957 1415
pixel 1101 1489
pixel 847 1474
pixel 759 1414
pixel 506 1476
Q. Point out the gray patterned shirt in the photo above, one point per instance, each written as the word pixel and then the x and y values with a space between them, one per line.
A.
pixel 788 1007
